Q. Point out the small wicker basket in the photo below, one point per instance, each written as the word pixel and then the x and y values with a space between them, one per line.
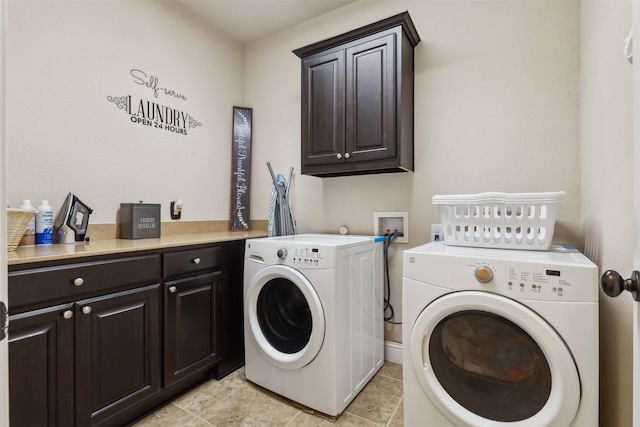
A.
pixel 17 220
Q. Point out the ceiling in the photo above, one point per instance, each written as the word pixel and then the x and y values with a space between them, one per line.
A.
pixel 250 20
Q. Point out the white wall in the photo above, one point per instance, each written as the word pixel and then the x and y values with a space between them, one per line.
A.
pixel 496 109
pixel 607 191
pixel 64 58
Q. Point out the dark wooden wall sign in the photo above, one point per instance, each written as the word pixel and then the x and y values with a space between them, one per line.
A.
pixel 240 168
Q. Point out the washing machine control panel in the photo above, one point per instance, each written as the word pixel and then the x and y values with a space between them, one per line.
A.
pixel 307 256
pixel 302 256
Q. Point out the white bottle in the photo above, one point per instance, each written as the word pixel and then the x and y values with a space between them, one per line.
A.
pixel 29 236
pixel 44 224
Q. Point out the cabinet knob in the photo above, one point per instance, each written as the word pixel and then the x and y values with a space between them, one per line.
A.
pixel 196 260
pixel 78 281
pixel 347 155
pixel 339 156
pixel 67 314
pixel 86 309
pixel 172 289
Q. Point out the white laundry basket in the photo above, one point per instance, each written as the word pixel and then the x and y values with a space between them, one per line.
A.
pixel 499 220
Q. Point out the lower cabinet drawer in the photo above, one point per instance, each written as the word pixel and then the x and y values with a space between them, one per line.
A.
pixel 77 280
pixel 192 260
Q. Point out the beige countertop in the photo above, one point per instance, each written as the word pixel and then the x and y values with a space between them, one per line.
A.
pixel 31 254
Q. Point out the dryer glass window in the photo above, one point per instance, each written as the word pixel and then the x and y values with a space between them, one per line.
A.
pixel 284 316
pixel 490 366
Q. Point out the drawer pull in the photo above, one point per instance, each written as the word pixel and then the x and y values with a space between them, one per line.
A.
pixel 67 314
pixel 78 281
pixel 86 309
pixel 172 289
pixel 196 260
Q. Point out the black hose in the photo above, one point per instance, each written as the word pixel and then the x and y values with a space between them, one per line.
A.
pixel 387 301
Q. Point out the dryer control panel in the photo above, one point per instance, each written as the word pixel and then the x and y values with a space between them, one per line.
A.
pixel 538 275
pixel 532 281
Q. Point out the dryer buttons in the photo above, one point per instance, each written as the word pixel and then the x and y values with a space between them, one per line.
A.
pixel 483 274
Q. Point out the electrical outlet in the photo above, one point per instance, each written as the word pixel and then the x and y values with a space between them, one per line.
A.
pixel 388 222
pixel 436 233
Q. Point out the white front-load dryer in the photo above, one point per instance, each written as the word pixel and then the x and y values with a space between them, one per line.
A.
pixel 313 316
pixel 497 337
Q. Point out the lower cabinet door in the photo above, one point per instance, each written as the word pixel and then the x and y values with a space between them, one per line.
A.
pixel 189 324
pixel 118 353
pixel 41 367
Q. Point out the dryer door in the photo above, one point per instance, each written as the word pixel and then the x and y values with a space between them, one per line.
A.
pixel 488 360
pixel 285 316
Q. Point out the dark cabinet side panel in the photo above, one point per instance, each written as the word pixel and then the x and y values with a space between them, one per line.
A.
pixel 231 328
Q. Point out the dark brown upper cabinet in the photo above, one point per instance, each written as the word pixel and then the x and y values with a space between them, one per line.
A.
pixel 357 100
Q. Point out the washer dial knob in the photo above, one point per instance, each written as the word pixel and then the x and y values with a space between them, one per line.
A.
pixel 483 274
pixel 282 253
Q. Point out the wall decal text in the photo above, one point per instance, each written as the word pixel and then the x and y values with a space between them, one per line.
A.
pixel 141 78
pixel 154 115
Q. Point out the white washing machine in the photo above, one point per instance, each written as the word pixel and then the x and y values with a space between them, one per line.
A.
pixel 497 337
pixel 313 319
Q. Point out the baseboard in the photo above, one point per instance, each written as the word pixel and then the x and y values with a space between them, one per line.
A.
pixel 393 352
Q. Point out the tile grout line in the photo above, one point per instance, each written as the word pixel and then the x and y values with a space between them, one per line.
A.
pixel 395 411
pixel 362 418
pixel 191 413
pixel 292 418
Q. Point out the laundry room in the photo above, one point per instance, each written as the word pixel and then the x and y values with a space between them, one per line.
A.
pixel 508 96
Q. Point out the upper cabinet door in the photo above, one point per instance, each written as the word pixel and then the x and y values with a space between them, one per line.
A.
pixel 323 109
pixel 370 100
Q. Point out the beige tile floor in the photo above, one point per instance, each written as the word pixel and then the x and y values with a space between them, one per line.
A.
pixel 234 401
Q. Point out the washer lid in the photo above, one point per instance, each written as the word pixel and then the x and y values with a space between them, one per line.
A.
pixel 285 317
pixel 488 360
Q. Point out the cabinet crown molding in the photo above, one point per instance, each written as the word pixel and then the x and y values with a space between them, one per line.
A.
pixel 403 19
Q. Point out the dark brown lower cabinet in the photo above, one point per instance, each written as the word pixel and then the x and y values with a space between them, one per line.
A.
pixel 41 364
pixel 103 340
pixel 109 346
pixel 189 325
pixel 118 352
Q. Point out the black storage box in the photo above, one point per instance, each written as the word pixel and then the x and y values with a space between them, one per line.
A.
pixel 139 220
